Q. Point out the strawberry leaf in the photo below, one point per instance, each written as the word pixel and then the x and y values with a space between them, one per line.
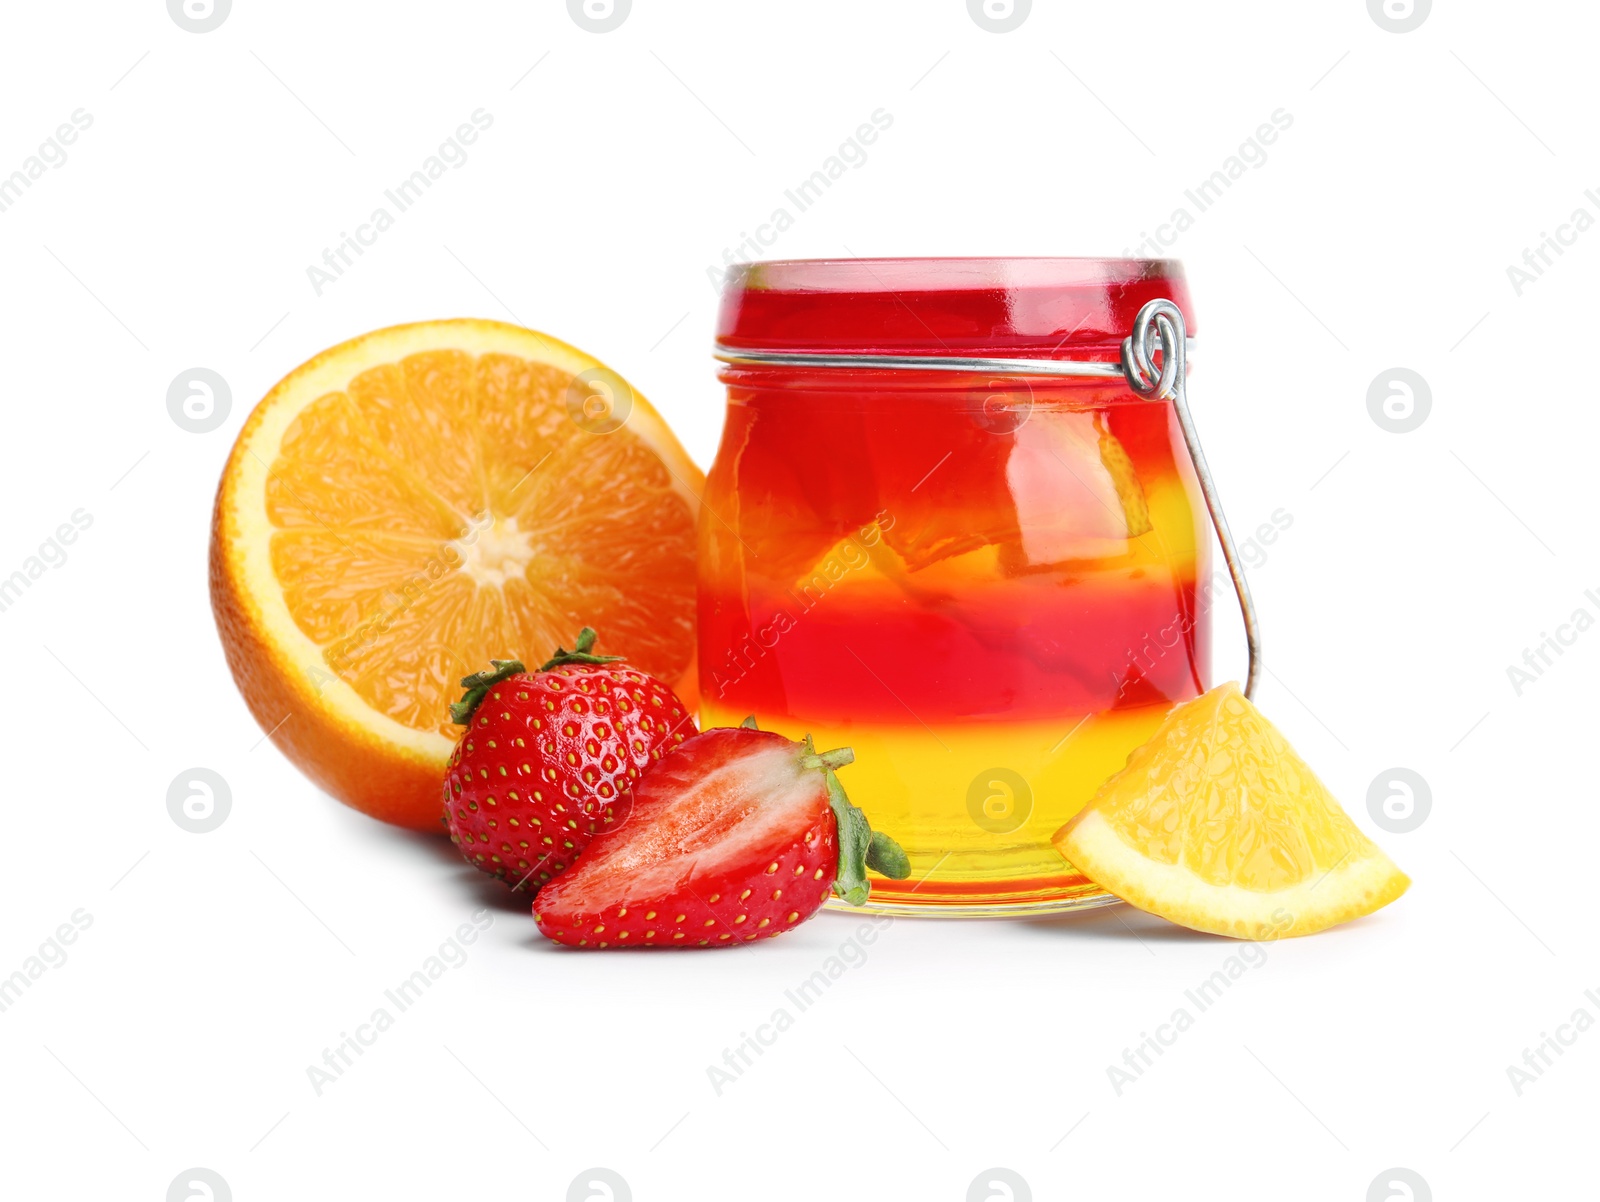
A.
pixel 850 882
pixel 581 652
pixel 477 687
pixel 888 858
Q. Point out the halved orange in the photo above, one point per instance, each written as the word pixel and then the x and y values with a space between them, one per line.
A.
pixel 416 501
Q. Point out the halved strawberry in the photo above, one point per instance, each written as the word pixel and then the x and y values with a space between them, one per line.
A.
pixel 549 756
pixel 737 835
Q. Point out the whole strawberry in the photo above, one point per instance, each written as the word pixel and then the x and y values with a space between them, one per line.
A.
pixel 738 835
pixel 549 758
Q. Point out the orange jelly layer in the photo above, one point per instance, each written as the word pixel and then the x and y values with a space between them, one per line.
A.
pixel 991 596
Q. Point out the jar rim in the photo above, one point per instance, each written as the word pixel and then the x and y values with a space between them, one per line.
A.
pixel 1022 306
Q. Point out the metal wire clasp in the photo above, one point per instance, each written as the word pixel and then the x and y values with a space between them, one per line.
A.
pixel 1163 320
pixel 1159 319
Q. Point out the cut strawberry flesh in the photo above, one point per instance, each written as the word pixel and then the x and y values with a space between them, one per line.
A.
pixel 719 807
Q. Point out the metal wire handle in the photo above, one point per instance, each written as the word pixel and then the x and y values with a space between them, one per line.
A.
pixel 1084 368
pixel 1160 319
pixel 1164 320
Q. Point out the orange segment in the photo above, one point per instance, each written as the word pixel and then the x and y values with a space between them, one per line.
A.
pixel 412 503
pixel 1217 824
pixel 512 446
pixel 325 477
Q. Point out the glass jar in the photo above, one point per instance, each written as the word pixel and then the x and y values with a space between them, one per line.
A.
pixel 988 583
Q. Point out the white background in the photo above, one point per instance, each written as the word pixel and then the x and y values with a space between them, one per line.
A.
pixel 618 168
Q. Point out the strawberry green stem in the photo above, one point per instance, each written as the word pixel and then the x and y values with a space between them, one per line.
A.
pixel 477 687
pixel 860 847
pixel 580 653
pixel 831 760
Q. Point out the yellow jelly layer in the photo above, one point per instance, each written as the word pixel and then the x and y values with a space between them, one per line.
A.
pixel 974 804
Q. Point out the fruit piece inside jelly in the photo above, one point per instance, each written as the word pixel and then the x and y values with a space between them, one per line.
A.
pixel 1059 488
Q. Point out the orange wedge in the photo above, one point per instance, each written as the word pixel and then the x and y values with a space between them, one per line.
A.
pixel 1217 824
pixel 419 500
